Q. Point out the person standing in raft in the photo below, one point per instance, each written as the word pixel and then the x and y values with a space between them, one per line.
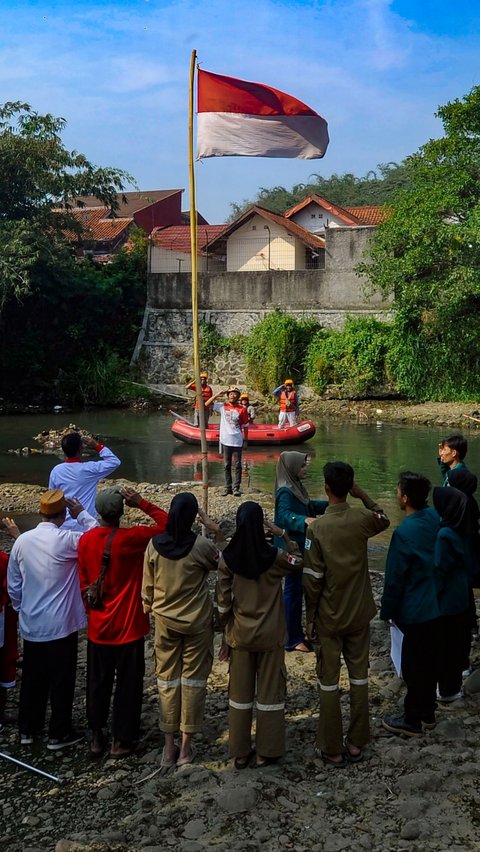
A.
pixel 294 511
pixel 206 393
pixel 175 591
pixel 233 435
pixel 245 402
pixel 250 609
pixel 289 408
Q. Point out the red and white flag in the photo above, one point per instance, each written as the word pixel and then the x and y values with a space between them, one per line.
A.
pixel 237 118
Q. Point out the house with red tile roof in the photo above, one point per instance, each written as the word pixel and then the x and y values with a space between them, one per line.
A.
pixel 260 240
pixel 148 208
pixel 170 249
pixel 316 213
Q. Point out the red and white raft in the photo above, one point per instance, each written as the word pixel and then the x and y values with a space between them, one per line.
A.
pixel 261 434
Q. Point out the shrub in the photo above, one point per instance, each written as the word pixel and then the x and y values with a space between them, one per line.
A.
pixel 355 357
pixel 276 348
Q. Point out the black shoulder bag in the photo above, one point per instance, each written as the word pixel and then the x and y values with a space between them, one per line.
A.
pixel 93 594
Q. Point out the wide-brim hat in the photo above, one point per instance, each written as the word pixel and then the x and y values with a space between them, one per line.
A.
pixel 109 502
pixel 52 502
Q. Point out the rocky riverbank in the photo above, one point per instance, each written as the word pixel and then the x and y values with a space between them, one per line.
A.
pixel 419 794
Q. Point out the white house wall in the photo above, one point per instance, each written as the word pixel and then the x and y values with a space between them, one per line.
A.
pixel 314 219
pixel 257 246
pixel 166 260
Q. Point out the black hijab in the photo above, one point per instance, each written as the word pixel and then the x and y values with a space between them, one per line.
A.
pixel 248 554
pixel 452 506
pixel 178 539
pixel 463 479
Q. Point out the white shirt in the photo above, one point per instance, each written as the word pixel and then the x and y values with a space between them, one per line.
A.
pixel 80 480
pixel 42 580
pixel 231 434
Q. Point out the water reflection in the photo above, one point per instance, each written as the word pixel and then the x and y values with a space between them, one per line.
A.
pixel 149 452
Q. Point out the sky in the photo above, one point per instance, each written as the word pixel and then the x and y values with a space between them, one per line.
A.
pixel 118 73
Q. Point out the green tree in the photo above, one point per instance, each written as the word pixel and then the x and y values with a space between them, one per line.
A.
pixel 347 190
pixel 38 177
pixel 427 253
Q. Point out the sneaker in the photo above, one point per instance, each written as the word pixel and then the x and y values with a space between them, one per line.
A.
pixel 64 742
pixel 27 739
pixel 399 725
pixel 448 699
pixel 430 725
pixel 227 492
pixel 237 492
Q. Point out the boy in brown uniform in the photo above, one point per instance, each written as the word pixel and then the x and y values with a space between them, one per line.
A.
pixel 340 606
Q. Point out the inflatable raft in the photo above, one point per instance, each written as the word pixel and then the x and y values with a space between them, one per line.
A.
pixel 261 434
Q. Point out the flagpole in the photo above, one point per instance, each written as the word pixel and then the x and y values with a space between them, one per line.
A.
pixel 193 246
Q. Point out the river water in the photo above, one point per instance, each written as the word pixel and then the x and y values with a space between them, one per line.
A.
pixel 150 453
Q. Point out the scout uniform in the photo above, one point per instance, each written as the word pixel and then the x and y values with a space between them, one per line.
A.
pixel 339 601
pixel 176 592
pixel 252 614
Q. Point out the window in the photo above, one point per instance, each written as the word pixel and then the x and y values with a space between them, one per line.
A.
pixel 312 215
pixel 254 227
pixel 320 215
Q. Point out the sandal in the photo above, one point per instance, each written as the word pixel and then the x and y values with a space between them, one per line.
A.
pixel 98 744
pixel 266 761
pixel 169 764
pixel 243 762
pixel 329 760
pixel 351 756
pixel 184 761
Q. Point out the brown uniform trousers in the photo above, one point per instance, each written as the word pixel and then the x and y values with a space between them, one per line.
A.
pixel 267 669
pixel 183 664
pixel 355 650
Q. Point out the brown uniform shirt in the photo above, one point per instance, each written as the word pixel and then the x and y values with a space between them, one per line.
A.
pixel 176 590
pixel 251 611
pixel 338 593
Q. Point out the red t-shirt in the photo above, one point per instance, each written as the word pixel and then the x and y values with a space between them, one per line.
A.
pixel 121 618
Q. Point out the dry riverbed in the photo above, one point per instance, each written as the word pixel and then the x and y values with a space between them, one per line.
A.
pixel 406 795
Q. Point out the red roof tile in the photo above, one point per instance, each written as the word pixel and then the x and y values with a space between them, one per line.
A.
pixel 177 237
pixel 369 214
pixel 97 224
pixel 342 213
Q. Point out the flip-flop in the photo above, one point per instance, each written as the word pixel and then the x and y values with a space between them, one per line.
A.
pixel 352 758
pixel 243 762
pixel 328 759
pixel 169 764
pixel 184 761
pixel 266 761
pixel 301 648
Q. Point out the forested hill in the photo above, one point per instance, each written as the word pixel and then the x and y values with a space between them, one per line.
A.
pixel 376 187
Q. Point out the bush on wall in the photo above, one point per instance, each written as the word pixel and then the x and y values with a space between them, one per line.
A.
pixel 276 348
pixel 355 357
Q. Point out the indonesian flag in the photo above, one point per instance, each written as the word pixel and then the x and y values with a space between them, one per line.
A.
pixel 237 118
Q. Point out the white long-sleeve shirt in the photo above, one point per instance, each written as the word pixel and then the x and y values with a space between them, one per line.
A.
pixel 42 580
pixel 80 479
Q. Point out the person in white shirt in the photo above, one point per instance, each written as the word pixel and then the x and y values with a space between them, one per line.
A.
pixel 234 422
pixel 79 479
pixel 44 588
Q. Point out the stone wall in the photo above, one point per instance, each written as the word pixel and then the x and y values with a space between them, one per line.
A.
pixel 235 302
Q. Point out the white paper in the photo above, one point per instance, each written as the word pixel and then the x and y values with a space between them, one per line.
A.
pixel 396 639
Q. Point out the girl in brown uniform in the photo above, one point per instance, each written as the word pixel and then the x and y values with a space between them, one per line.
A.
pixel 250 608
pixel 176 567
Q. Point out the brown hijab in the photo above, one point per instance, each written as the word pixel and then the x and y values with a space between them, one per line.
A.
pixel 288 468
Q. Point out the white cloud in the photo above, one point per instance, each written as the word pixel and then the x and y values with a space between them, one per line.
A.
pixel 119 74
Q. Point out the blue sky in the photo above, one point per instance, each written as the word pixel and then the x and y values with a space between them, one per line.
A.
pixel 118 73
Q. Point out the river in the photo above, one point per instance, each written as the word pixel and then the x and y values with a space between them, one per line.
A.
pixel 149 452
